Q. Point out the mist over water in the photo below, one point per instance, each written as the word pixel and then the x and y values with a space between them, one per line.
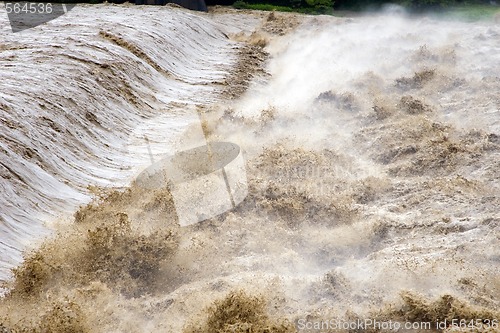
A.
pixel 372 149
pixel 405 115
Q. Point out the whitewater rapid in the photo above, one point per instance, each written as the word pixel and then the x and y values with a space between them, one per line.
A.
pixel 372 151
pixel 80 94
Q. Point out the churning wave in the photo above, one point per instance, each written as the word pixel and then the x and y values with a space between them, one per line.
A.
pixel 372 154
pixel 79 94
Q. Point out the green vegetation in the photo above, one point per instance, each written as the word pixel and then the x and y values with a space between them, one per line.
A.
pixel 261 6
pixel 301 6
pixel 413 4
pixel 469 10
pixel 473 12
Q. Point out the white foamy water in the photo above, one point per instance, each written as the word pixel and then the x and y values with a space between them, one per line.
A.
pixel 372 150
pixel 76 92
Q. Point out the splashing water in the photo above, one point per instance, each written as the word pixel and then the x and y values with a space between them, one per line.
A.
pixel 372 154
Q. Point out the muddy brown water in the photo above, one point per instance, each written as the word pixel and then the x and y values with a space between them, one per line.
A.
pixel 372 154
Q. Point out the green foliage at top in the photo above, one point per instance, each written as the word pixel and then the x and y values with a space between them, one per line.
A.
pixel 410 4
pixel 462 9
pixel 473 12
pixel 320 5
pixel 303 6
pixel 261 6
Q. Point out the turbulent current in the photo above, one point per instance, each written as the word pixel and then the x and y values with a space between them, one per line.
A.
pixel 372 149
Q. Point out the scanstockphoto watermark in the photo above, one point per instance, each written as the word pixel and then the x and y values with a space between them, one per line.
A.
pixel 341 325
pixel 24 15
pixel 332 325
